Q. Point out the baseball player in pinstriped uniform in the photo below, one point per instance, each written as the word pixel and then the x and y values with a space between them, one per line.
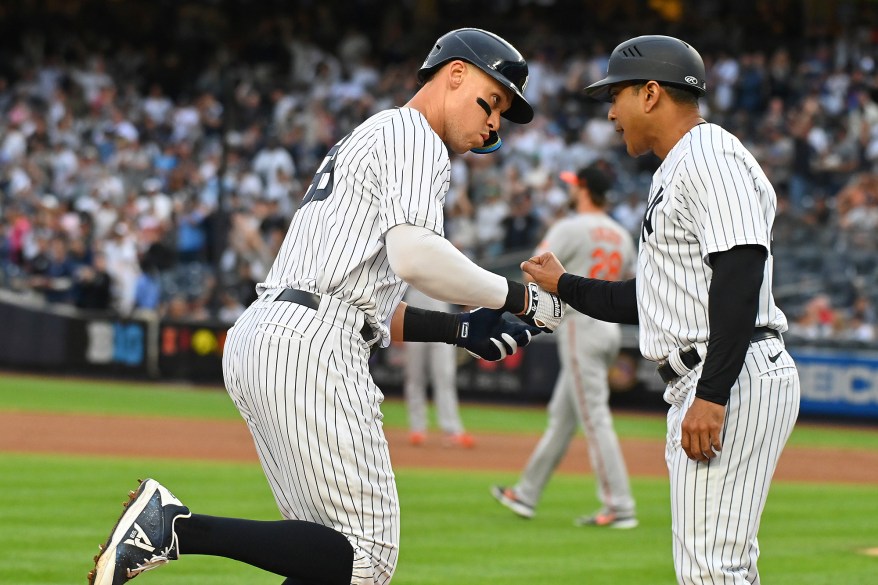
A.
pixel 702 297
pixel 296 362
pixel 589 242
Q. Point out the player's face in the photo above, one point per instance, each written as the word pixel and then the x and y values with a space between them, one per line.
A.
pixel 477 110
pixel 626 114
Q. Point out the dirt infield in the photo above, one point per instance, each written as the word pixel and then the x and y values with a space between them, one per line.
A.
pixel 229 441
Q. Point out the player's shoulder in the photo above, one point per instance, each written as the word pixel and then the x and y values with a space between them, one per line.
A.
pixel 607 223
pixel 400 126
pixel 707 139
pixel 407 120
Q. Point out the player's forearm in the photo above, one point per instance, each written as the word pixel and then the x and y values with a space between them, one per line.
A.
pixel 414 324
pixel 615 302
pixel 733 302
pixel 434 266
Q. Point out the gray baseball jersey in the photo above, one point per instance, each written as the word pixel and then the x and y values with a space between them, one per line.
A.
pixel 709 195
pixel 300 375
pixel 594 245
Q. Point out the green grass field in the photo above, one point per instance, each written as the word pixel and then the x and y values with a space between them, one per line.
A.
pixel 54 511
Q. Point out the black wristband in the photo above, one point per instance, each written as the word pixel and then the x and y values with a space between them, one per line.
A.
pixel 423 325
pixel 515 297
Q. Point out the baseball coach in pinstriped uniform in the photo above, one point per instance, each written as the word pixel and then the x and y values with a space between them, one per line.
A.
pixel 702 297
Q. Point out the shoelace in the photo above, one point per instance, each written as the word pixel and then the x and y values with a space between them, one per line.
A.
pixel 154 562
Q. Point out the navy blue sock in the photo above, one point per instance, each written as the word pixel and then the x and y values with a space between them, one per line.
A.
pixel 308 553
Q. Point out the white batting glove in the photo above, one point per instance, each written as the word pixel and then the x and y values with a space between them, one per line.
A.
pixel 543 308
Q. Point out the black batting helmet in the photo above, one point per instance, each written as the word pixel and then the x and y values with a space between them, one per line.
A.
pixel 491 54
pixel 664 59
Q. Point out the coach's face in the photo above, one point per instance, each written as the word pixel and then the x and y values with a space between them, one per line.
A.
pixel 473 107
pixel 628 114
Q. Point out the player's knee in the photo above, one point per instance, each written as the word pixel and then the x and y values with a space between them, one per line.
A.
pixel 370 569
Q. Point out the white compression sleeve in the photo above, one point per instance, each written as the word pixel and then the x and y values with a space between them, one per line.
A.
pixel 432 264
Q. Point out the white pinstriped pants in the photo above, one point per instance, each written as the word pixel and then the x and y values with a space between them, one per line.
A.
pixel 716 506
pixel 300 379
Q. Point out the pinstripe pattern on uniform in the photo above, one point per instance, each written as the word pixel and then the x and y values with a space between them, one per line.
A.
pixel 717 504
pixel 708 195
pixel 299 376
pixel 321 443
pixel 392 169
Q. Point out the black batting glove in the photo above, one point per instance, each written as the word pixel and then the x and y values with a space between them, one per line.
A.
pixel 485 334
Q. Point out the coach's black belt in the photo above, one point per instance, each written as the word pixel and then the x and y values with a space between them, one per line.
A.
pixel 690 357
pixel 312 301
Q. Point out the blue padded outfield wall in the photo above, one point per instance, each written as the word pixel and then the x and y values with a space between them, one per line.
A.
pixel 836 381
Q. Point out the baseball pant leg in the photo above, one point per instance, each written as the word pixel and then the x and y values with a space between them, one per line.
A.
pixel 592 346
pixel 553 444
pixel 716 506
pixel 304 388
pixel 415 386
pixel 443 368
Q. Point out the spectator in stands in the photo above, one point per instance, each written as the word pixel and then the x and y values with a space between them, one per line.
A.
pixel 120 250
pixel 817 321
pixel 230 307
pixel 270 159
pixel 521 226
pixel 93 286
pixel 147 289
pixel 52 272
pixel 191 236
pixel 861 320
pixel 490 214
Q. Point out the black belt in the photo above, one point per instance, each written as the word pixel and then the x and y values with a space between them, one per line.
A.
pixel 690 357
pixel 312 301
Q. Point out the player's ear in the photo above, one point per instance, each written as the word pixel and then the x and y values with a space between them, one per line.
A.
pixel 456 71
pixel 651 94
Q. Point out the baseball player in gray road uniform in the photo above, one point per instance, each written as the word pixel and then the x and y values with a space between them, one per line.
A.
pixel 702 297
pixel 296 362
pixel 436 363
pixel 589 242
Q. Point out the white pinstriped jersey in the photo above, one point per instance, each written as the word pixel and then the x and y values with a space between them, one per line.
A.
pixel 709 195
pixel 392 169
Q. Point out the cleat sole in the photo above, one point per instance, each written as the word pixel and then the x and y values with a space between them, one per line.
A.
pixel 106 551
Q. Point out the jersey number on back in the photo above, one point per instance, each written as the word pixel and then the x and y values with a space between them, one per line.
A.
pixel 324 179
pixel 607 265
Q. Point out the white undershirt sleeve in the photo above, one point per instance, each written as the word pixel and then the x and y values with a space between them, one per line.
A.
pixel 432 264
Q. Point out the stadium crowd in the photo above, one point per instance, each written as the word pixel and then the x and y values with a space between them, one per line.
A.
pixel 122 192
